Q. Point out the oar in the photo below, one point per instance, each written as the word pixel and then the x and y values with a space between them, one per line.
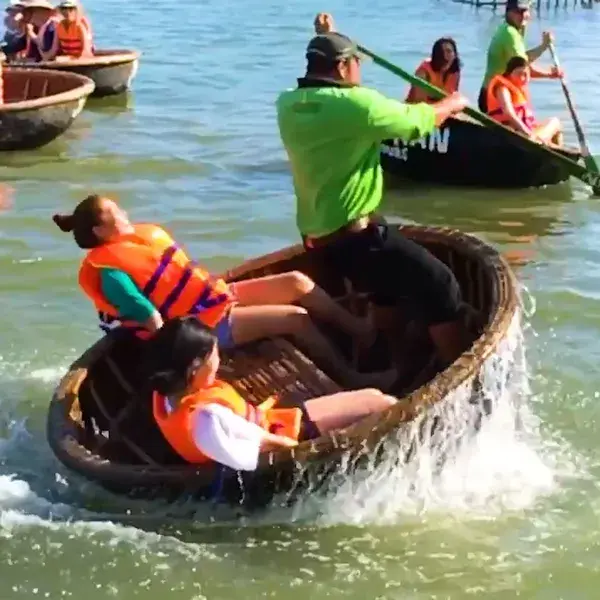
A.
pixel 588 176
pixel 590 163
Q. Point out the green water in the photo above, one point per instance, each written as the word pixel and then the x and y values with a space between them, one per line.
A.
pixel 195 147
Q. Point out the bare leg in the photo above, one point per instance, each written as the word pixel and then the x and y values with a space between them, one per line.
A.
pixel 249 323
pixel 450 340
pixel 338 411
pixel 296 288
pixel 548 129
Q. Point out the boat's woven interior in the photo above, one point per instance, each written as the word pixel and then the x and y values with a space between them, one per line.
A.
pixel 22 85
pixel 116 412
pixel 117 419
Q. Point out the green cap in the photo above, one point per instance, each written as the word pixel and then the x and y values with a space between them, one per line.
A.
pixel 332 46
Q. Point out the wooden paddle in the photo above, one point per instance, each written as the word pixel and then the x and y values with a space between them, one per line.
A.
pixel 588 159
pixel 589 176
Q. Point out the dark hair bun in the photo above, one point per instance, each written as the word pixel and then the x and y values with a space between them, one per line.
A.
pixel 66 223
pixel 167 383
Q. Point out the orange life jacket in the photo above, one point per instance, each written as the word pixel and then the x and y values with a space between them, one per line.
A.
pixel 449 83
pixel 519 98
pixel 177 425
pixel 71 37
pixel 162 271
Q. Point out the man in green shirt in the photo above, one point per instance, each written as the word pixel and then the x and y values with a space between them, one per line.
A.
pixel 509 41
pixel 332 129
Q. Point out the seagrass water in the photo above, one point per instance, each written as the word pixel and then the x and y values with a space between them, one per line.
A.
pixel 195 147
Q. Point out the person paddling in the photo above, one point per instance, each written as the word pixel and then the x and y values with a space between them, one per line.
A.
pixel 508 103
pixel 441 69
pixel 138 277
pixel 332 129
pixel 509 41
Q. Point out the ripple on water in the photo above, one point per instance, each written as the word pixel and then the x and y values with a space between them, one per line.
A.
pixel 195 146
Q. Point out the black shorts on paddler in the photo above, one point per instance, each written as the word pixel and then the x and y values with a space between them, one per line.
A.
pixel 393 269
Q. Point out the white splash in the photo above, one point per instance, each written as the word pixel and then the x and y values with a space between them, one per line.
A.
pixel 506 466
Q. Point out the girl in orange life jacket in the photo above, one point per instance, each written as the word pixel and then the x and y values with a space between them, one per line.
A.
pixel 137 273
pixel 205 419
pixel 73 37
pixel 441 70
pixel 508 103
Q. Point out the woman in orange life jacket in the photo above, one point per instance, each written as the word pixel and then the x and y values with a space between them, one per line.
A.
pixel 442 69
pixel 73 36
pixel 136 275
pixel 508 103
pixel 205 419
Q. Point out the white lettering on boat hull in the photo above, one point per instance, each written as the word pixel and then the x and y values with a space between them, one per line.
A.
pixel 438 142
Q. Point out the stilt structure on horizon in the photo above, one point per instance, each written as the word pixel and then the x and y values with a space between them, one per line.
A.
pixel 537 4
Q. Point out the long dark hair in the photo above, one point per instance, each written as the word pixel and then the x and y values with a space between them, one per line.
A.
pixel 86 216
pixel 173 352
pixel 437 56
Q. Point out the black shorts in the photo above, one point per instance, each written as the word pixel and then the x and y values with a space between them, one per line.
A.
pixel 385 263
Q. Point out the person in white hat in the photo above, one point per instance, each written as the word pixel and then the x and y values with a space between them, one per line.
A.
pixel 39 31
pixel 13 22
pixel 73 36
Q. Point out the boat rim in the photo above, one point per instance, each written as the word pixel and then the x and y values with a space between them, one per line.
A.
pixel 506 303
pixel 116 57
pixel 85 88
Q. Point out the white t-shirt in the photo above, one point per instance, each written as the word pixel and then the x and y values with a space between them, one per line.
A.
pixel 226 437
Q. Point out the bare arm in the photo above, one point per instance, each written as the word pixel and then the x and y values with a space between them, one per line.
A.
pixel 535 53
pixel 155 322
pixel 542 73
pixel 87 41
pixel 419 95
pixel 449 106
pixel 52 51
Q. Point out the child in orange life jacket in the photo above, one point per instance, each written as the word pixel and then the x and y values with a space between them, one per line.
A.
pixel 137 275
pixel 73 36
pixel 508 103
pixel 205 419
pixel 442 69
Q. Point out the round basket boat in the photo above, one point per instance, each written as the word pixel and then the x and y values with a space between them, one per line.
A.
pixel 102 428
pixel 39 106
pixel 112 71
pixel 465 153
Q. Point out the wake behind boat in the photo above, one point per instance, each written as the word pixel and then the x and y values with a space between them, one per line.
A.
pixel 101 426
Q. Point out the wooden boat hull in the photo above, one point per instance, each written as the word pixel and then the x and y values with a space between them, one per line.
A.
pixel 112 71
pixel 464 153
pixel 39 106
pixel 101 427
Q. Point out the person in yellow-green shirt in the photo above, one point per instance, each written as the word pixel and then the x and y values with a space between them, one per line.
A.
pixel 332 129
pixel 509 41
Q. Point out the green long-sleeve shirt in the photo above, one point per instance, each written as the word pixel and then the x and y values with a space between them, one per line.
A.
pixel 122 292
